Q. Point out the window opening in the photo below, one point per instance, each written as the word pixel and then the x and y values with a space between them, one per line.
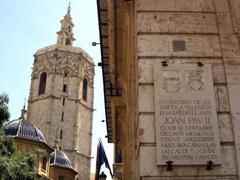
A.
pixel 44 163
pixel 68 42
pixel 42 83
pixel 62 116
pixel 64 88
pixel 61 134
pixel 85 84
pixel 65 74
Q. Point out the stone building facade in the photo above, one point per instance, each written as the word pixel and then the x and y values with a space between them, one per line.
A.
pixel 61 97
pixel 136 36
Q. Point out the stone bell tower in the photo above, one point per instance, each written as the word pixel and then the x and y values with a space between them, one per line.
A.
pixel 61 97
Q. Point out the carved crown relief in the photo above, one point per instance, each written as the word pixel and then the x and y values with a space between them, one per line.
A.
pixel 195 80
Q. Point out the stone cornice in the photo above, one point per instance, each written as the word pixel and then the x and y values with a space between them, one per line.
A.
pixel 71 150
pixel 60 47
pixel 59 97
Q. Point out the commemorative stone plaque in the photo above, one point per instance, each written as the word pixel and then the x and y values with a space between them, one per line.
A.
pixel 185 115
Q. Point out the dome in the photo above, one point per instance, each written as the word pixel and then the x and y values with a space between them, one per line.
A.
pixel 59 158
pixel 23 129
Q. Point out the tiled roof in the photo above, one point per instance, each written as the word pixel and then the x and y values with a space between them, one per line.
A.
pixel 23 129
pixel 59 158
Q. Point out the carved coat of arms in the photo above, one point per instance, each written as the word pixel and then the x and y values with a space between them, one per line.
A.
pixel 172 84
pixel 195 80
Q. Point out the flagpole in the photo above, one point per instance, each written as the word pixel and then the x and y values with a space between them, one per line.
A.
pixel 101 159
pixel 97 164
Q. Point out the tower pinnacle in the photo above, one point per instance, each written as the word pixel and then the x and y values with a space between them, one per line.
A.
pixel 69 7
pixel 65 35
pixel 24 111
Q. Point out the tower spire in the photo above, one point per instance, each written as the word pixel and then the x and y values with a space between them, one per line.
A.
pixel 24 111
pixel 69 7
pixel 65 35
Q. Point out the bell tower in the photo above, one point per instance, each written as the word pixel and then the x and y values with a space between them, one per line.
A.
pixel 61 97
pixel 65 35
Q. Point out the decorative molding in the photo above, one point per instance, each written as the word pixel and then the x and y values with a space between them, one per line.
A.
pixel 76 65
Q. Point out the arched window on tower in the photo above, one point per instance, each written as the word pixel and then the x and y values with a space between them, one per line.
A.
pixel 42 83
pixel 68 41
pixel 66 73
pixel 85 88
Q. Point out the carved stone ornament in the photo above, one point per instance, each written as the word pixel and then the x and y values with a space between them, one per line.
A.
pixel 195 80
pixel 171 81
pixel 186 122
pixel 75 65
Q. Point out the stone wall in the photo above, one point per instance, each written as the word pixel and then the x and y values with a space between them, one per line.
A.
pixel 187 32
pixel 81 164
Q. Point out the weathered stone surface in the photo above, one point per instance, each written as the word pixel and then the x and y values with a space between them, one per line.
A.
pixel 222 6
pixel 233 73
pixel 236 127
pixel 196 45
pixel 145 67
pixel 149 168
pixel 185 115
pixel 230 48
pixel 147 128
pixel 176 5
pixel 103 5
pixel 234 9
pixel 219 74
pixel 234 98
pixel 104 30
pixel 155 22
pixel 145 70
pixel 105 44
pixel 104 17
pixel 230 44
pixel 222 98
pixel 225 128
pixel 146 101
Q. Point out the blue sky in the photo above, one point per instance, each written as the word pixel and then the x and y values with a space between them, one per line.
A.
pixel 28 25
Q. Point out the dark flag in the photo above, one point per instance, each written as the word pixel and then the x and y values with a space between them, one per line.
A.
pixel 101 159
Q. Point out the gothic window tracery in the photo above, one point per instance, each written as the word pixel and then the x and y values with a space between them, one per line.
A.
pixel 42 83
pixel 85 88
